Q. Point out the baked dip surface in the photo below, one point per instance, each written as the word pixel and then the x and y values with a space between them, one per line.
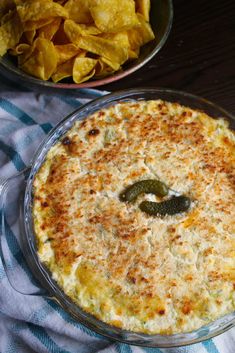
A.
pixel 139 272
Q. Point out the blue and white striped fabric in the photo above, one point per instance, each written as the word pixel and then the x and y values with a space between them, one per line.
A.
pixel 35 324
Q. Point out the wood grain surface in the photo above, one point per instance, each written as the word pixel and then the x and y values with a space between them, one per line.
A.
pixel 199 55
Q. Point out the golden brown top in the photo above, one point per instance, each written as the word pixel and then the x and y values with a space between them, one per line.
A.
pixel 131 270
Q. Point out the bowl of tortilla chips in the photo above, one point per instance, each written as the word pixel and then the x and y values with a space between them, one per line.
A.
pixel 76 43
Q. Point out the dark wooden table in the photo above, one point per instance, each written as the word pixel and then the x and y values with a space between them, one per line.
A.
pixel 199 55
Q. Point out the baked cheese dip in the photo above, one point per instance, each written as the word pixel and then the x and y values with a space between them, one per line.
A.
pixel 150 273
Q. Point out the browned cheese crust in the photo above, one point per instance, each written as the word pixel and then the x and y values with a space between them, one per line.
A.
pixel 139 272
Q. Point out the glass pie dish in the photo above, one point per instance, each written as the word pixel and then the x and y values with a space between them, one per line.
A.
pixel 22 200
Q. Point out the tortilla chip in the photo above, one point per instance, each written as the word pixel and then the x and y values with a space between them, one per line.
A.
pixel 140 35
pixel 85 78
pixel 74 30
pixel 83 69
pixel 10 33
pixel 39 10
pixel 120 38
pixel 34 65
pixel 66 52
pixel 78 11
pixel 133 53
pixel 109 15
pixel 63 71
pixel 22 2
pixel 48 31
pixel 42 61
pixel 88 29
pixel 112 64
pixel 33 25
pixel 103 70
pixel 104 47
pixel 25 52
pixel 143 7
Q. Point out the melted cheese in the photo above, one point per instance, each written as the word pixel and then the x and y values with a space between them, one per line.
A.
pixel 138 272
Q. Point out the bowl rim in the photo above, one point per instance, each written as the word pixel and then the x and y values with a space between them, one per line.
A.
pixel 43 275
pixel 14 71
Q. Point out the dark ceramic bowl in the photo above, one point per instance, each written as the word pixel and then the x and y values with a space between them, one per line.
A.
pixel 161 17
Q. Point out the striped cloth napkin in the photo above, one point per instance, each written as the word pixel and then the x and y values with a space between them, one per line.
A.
pixel 34 323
